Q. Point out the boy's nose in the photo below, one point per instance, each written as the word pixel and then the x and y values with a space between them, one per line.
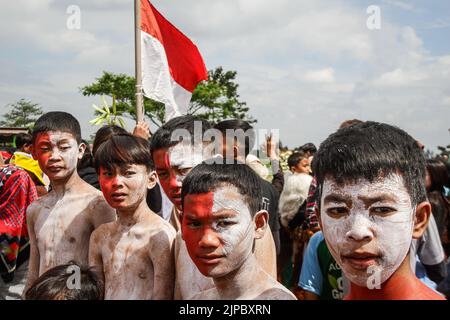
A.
pixel 360 229
pixel 209 239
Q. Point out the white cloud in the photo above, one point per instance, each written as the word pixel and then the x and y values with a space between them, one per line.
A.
pixel 320 76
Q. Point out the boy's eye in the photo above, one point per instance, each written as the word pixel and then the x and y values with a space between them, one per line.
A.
pixel 337 211
pixel 162 175
pixel 193 224
pixel 382 210
pixel 44 149
pixel 64 147
pixel 225 223
pixel 129 173
pixel 184 171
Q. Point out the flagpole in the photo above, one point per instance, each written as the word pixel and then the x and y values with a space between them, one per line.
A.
pixel 137 60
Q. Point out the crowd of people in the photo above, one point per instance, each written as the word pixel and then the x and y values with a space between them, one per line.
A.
pixel 174 215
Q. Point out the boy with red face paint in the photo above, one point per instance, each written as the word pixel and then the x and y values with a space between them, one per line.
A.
pixel 373 203
pixel 221 220
pixel 61 222
pixel 134 254
pixel 173 161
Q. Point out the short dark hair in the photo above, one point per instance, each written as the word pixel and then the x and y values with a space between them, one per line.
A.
pixel 308 148
pixel 52 285
pixel 23 139
pixel 103 134
pixel 209 177
pixel 369 150
pixel 438 174
pixel 239 124
pixel 161 139
pixel 57 121
pixel 295 158
pixel 123 149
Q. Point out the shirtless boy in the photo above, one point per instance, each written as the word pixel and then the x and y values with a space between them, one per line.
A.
pixel 220 222
pixel 61 222
pixel 134 254
pixel 372 204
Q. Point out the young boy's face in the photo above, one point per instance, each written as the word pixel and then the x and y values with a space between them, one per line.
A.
pixel 57 153
pixel 218 230
pixel 124 187
pixel 172 166
pixel 303 166
pixel 367 226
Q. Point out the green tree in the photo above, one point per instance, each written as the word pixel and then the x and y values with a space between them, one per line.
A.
pixel 214 100
pixel 217 99
pixel 23 114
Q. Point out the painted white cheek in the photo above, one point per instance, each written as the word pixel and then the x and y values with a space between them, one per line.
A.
pixel 395 238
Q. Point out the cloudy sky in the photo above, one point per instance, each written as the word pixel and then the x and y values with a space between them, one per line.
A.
pixel 303 66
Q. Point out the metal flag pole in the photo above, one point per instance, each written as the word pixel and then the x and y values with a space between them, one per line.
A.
pixel 137 59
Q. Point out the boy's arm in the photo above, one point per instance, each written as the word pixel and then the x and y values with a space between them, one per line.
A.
pixel 162 257
pixel 101 212
pixel 95 256
pixel 33 264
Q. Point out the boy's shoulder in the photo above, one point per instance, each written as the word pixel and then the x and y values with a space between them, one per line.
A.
pixel 155 222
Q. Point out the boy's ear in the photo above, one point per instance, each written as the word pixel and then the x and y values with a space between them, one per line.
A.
pixel 260 218
pixel 81 149
pixel 151 181
pixel 421 218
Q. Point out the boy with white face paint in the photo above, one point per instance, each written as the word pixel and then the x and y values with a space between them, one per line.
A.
pixel 373 203
pixel 61 222
pixel 221 220
pixel 134 254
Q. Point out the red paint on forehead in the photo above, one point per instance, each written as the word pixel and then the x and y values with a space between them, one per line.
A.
pixel 42 137
pixel 198 205
pixel 161 159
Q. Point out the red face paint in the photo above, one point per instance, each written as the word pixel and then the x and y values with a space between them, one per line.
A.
pixel 203 243
pixel 124 188
pixel 167 176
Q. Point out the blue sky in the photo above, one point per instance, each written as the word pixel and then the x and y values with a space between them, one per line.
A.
pixel 303 66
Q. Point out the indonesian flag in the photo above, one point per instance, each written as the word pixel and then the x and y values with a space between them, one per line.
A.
pixel 171 64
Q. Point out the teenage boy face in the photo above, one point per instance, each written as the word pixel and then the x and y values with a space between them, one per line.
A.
pixel 125 187
pixel 367 225
pixel 303 166
pixel 57 153
pixel 172 166
pixel 218 230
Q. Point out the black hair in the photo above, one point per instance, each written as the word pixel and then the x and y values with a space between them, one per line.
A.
pixel 53 284
pixel 295 158
pixel 57 121
pixel 162 138
pixel 370 150
pixel 239 124
pixel 123 149
pixel 103 134
pixel 308 148
pixel 23 139
pixel 209 177
pixel 438 173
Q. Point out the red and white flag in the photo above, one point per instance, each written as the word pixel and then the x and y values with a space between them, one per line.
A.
pixel 171 64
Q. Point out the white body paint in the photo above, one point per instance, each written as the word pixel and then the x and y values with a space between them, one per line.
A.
pixel 360 229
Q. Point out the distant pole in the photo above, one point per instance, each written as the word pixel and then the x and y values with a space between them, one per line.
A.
pixel 138 68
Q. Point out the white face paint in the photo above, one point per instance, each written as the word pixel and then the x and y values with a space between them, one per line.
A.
pixel 57 153
pixel 184 157
pixel 367 225
pixel 228 198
